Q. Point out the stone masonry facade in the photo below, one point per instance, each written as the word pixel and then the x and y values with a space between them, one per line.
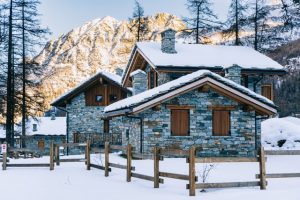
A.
pixel 156 127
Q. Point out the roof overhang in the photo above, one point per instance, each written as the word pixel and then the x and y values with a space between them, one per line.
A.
pixel 260 107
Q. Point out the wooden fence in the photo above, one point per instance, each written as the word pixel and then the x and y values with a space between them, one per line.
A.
pixel 86 159
pixel 192 186
pixel 5 164
pixel 282 153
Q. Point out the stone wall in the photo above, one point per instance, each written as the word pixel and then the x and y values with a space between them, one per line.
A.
pixel 157 125
pixel 87 121
pixel 31 142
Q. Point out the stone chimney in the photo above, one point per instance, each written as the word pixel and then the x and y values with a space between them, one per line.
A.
pixel 234 73
pixel 168 41
pixel 53 115
pixel 119 71
pixel 139 81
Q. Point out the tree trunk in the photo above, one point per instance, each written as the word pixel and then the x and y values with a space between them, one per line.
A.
pixel 9 80
pixel 237 42
pixel 256 26
pixel 23 79
pixel 197 26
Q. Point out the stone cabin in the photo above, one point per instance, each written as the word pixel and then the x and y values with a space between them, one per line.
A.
pixel 41 131
pixel 214 97
pixel 84 106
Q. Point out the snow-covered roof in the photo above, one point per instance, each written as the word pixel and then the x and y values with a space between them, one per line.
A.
pixel 196 55
pixel 46 126
pixel 110 76
pixel 184 80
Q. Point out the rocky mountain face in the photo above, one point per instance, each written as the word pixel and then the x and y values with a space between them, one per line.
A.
pixel 287 91
pixel 102 44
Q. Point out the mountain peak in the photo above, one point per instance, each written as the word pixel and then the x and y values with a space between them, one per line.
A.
pixel 101 44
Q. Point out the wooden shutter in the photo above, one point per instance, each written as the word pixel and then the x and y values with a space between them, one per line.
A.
pixel 267 91
pixel 41 144
pixel 180 122
pixel 221 122
pixel 106 126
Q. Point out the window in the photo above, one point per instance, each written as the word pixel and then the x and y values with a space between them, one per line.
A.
pixel 99 98
pixel 41 144
pixel 245 81
pixel 221 122
pixel 152 79
pixel 113 97
pixel 180 122
pixel 76 137
pixel 267 91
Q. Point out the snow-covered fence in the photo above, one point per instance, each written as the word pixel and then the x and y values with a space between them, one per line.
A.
pixel 282 153
pixel 5 164
pixel 86 159
pixel 192 160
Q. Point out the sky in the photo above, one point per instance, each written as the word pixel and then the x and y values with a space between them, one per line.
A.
pixel 63 15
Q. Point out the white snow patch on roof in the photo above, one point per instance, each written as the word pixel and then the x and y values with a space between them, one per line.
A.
pixel 46 126
pixel 196 55
pixel 144 96
pixel 276 129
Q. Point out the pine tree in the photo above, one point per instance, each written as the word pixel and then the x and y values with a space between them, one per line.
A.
pixel 237 20
pixel 260 24
pixel 9 94
pixel 138 22
pixel 31 35
pixel 202 22
pixel 290 14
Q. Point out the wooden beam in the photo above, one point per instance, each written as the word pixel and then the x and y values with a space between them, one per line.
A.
pixel 221 107
pixel 146 177
pixel 280 175
pixel 227 185
pixel 225 159
pixel 174 176
pixel 262 169
pixel 204 88
pixel 29 165
pixel 188 107
pixel 282 152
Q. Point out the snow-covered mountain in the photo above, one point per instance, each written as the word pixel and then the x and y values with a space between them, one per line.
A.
pixel 101 44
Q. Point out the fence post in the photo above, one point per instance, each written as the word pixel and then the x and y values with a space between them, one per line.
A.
pixel 262 169
pixel 57 154
pixel 4 161
pixel 51 156
pixel 88 155
pixel 106 155
pixel 192 178
pixel 129 160
pixel 156 166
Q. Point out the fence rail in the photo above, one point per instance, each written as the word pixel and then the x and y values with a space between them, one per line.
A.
pixel 282 152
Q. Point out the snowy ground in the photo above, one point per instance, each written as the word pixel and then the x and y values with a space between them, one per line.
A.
pixel 73 181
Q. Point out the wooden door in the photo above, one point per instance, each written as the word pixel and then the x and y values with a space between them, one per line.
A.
pixel 180 122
